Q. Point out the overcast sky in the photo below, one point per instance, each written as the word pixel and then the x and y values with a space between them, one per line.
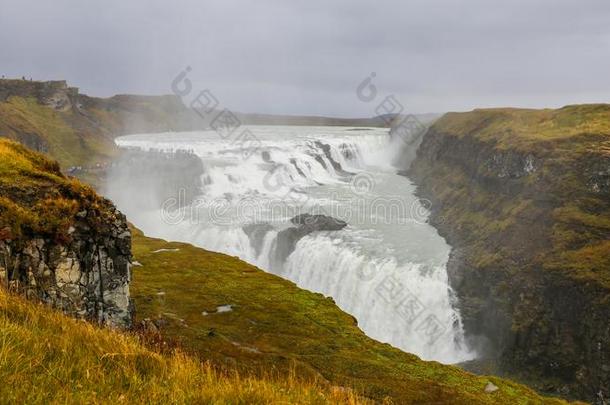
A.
pixel 308 57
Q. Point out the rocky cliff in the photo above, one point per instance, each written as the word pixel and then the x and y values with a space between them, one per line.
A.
pixel 60 242
pixel 523 196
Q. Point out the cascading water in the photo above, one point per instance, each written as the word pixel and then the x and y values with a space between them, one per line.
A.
pixel 387 267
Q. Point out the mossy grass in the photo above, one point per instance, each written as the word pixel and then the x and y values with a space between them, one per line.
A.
pixel 274 325
pixel 529 130
pixel 37 199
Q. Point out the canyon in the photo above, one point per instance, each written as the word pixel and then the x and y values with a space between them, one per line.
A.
pixel 520 196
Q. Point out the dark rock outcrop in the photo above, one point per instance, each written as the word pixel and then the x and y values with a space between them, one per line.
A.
pixel 305 224
pixel 88 277
pixel 336 166
pixel 311 223
pixel 55 94
pixel 256 234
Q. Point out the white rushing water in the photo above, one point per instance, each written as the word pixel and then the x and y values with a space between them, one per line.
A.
pixel 387 267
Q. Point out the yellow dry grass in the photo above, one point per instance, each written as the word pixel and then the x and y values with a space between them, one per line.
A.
pixel 46 357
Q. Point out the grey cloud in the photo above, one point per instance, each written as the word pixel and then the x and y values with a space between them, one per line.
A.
pixel 308 56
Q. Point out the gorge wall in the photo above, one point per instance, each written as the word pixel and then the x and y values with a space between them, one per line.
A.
pixel 60 243
pixel 523 196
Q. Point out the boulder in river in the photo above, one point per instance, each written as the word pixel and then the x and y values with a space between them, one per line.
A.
pixel 305 224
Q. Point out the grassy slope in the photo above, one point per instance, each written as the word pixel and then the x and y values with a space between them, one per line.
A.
pixel 567 140
pixel 274 325
pixel 69 139
pixel 81 133
pixel 528 130
pixel 81 136
pixel 46 357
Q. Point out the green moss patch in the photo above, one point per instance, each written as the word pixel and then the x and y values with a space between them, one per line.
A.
pixel 523 129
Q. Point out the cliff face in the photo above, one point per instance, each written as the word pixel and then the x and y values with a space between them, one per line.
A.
pixel 60 242
pixel 54 94
pixel 85 278
pixel 523 196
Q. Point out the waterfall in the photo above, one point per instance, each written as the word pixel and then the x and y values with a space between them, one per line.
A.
pixel 389 272
pixel 364 287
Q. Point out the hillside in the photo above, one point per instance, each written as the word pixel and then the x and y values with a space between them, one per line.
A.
pixel 46 357
pixel 79 130
pixel 523 196
pixel 215 307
